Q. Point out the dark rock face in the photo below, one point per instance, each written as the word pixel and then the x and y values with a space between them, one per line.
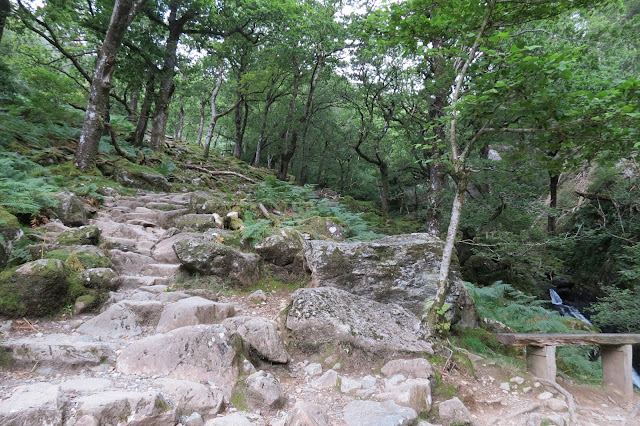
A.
pixel 330 315
pixel 70 209
pixel 36 289
pixel 210 258
pixel 141 180
pixel 400 269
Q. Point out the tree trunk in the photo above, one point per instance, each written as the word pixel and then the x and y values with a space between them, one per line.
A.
pixel 553 203
pixel 133 106
pixel 124 11
pixel 5 10
pixel 203 103
pixel 237 120
pixel 449 245
pixel 263 129
pixel 180 123
pixel 167 87
pixel 437 177
pixel 384 188
pixel 143 119
pixel 214 117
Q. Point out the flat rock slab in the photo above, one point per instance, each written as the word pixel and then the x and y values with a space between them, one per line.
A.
pixel 192 311
pixel 200 352
pixel 36 404
pixel 126 318
pixel 130 408
pixel 388 413
pixel 88 385
pixel 330 315
pixel 59 350
pixel 163 251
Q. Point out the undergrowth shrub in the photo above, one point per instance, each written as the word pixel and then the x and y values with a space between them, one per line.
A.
pixel 527 314
pixel 25 187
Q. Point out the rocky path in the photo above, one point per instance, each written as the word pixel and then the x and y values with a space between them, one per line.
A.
pixel 156 355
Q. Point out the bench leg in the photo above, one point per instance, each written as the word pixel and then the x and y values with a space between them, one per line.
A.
pixel 541 362
pixel 616 369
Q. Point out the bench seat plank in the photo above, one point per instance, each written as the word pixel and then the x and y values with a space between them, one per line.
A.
pixel 539 339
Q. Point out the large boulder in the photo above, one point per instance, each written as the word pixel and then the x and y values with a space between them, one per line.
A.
pixel 400 269
pixel 307 414
pixel 37 288
pixel 322 228
pixel 36 404
pixel 163 251
pixel 264 391
pixel 70 209
pixel 261 336
pixel 198 353
pixel 85 235
pixel 210 258
pixel 202 202
pixel 141 180
pixel 9 232
pixel 192 397
pixel 77 258
pixel 330 315
pixel 281 248
pixel 192 311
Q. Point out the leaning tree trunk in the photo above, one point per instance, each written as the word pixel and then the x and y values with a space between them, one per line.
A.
pixel 124 11
pixel 214 116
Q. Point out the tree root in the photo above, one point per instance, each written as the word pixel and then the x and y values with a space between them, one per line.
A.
pixel 570 402
pixel 219 172
pixel 526 409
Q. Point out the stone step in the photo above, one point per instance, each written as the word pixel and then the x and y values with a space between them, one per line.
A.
pixel 59 351
pixel 112 229
pixel 168 270
pixel 129 263
pixel 162 206
pixel 135 281
pixel 123 244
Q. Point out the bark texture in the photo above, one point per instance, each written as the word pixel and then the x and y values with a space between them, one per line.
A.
pixel 124 11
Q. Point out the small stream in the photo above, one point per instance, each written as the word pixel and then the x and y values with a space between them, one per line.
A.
pixel 570 311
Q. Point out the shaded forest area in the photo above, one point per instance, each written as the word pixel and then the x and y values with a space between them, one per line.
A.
pixel 508 128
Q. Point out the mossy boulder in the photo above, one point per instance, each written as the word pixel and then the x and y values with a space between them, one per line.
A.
pixel 233 222
pixel 282 248
pixel 100 279
pixel 207 257
pixel 141 180
pixel 85 235
pixel 195 222
pixel 79 258
pixel 9 231
pixel 70 209
pixel 323 228
pixel 202 202
pixel 36 288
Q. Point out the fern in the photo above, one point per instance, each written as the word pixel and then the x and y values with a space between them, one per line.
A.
pixel 25 186
pixel 253 231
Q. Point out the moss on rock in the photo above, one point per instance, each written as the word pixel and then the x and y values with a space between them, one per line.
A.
pixel 35 289
pixel 85 235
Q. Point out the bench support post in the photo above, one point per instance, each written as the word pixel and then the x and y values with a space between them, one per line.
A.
pixel 616 369
pixel 541 361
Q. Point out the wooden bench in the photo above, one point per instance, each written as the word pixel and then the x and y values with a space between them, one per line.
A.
pixel 615 350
